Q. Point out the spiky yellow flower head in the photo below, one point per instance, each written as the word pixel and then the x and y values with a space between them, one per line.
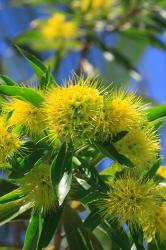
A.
pixel 38 188
pixel 122 113
pixel 25 115
pixel 141 146
pixel 73 111
pixel 9 142
pixel 162 171
pixel 132 200
pixel 57 27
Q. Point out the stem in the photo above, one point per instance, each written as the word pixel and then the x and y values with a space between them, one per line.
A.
pixel 57 61
pixel 58 237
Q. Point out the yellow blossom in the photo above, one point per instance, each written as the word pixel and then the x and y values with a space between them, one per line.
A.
pixel 57 27
pixel 132 200
pixel 73 111
pixel 141 146
pixel 37 187
pixel 162 171
pixel 25 115
pixel 9 142
pixel 122 112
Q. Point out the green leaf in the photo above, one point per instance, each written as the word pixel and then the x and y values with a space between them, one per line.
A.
pixel 51 221
pixel 92 177
pixel 137 236
pixel 61 172
pixel 22 93
pixel 11 210
pixel 108 149
pixel 39 68
pixel 93 220
pixel 6 186
pixel 76 233
pixel 8 81
pixel 117 235
pixel 7 210
pixel 8 115
pixel 27 163
pixel 47 80
pixel 156 124
pixel 28 37
pixel 12 196
pixel 33 232
pixel 2 100
pixel 24 216
pixel 152 171
pixel 97 245
pixel 155 112
pixel 90 198
pixel 80 191
pixel 105 239
pixel 119 136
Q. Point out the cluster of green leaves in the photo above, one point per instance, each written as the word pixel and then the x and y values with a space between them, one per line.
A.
pixel 74 177
pixel 137 24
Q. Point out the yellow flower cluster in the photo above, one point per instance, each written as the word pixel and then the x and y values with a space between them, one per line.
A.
pixel 122 112
pixel 9 142
pixel 73 111
pixel 57 27
pixel 141 146
pixel 25 115
pixel 37 187
pixel 82 111
pixel 132 200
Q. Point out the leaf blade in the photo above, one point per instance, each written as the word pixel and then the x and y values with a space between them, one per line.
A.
pixel 76 234
pixel 25 94
pixel 155 113
pixel 32 233
pixel 61 172
pixel 50 224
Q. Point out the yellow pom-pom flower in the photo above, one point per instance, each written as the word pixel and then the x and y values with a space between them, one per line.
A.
pixel 37 187
pixel 57 27
pixel 141 146
pixel 131 200
pixel 9 142
pixel 122 113
pixel 73 111
pixel 26 115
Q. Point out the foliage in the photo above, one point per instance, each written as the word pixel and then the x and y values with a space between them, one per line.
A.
pixel 54 174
